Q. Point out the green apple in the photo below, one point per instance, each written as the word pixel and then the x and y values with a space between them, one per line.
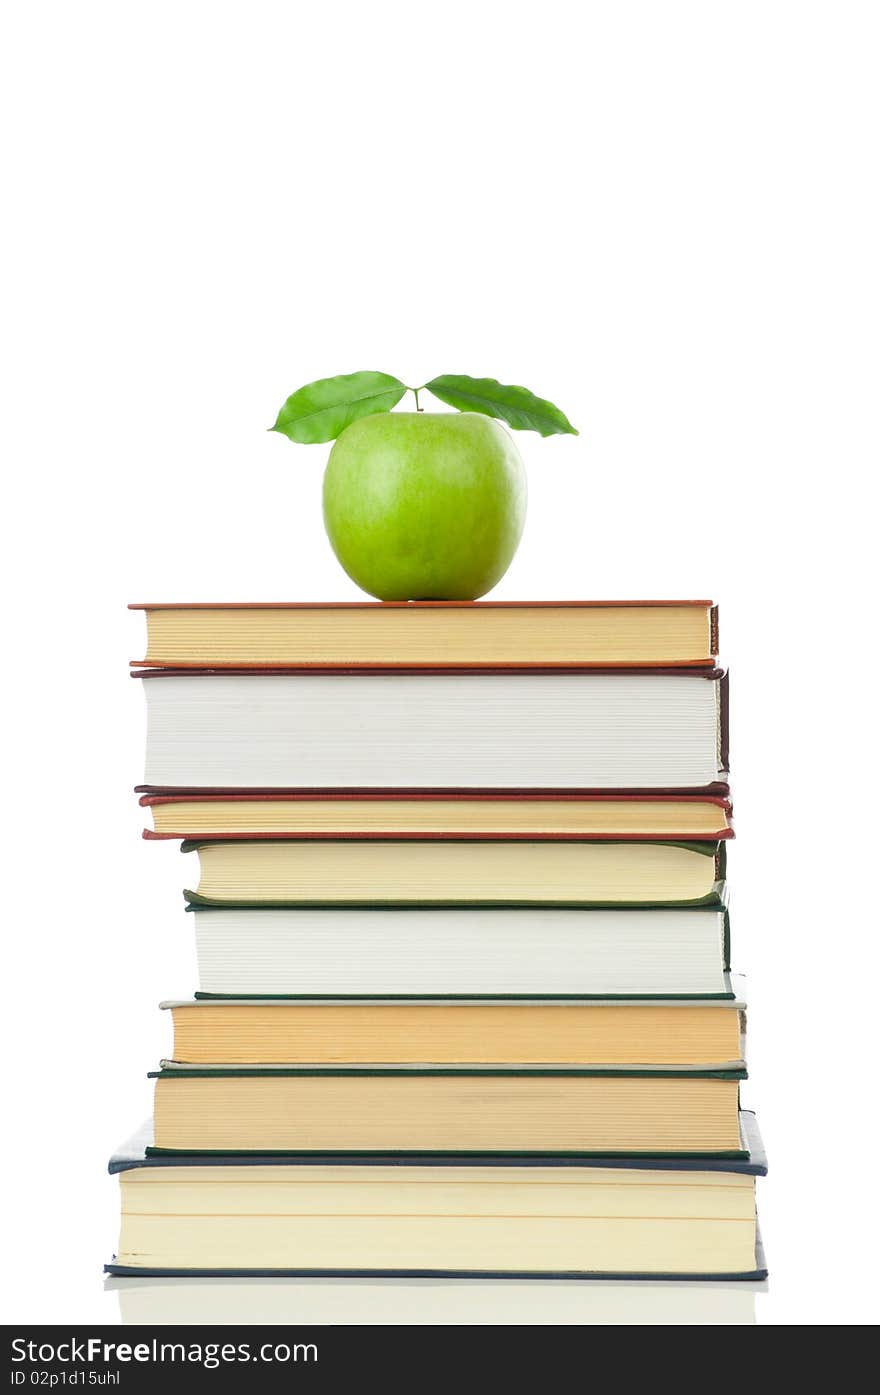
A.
pixel 425 505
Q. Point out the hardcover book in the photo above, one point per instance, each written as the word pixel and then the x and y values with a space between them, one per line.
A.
pixel 471 815
pixel 462 951
pixel 152 1297
pixel 406 632
pixel 450 872
pixel 460 1110
pixel 615 1032
pixel 595 730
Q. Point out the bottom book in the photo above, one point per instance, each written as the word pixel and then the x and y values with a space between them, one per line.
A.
pixel 147 1301
pixel 493 1217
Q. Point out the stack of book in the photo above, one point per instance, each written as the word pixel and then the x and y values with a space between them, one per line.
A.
pixel 465 1003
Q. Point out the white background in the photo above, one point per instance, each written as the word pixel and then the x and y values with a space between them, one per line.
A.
pixel 662 216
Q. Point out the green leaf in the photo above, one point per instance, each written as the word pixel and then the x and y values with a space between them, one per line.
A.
pixel 517 406
pixel 322 410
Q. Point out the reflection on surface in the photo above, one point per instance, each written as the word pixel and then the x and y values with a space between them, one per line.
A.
pixel 398 1302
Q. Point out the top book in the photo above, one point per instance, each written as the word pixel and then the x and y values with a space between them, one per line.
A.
pixel 432 634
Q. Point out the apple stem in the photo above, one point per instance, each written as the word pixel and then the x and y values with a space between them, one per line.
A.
pixel 416 392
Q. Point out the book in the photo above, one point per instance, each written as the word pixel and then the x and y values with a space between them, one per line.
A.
pixel 152 1297
pixel 466 951
pixel 495 1217
pixel 444 871
pixel 637 730
pixel 459 1110
pixel 245 1031
pixel 464 815
pixel 405 632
